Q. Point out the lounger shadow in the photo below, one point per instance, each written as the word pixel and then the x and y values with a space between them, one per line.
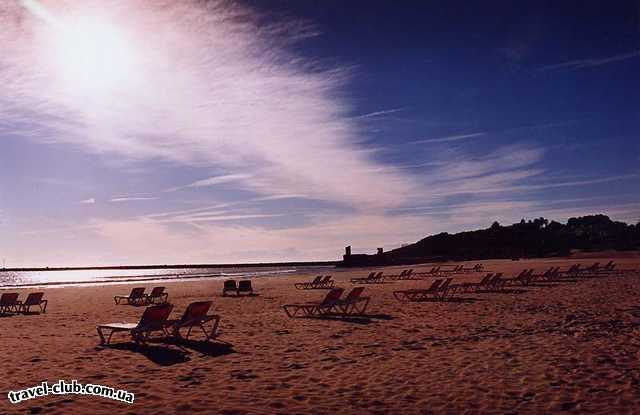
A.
pixel 160 355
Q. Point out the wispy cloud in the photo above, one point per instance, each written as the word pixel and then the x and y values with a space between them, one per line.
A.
pixel 379 113
pixel 449 138
pixel 196 83
pixel 90 201
pixel 212 181
pixel 131 199
pixel 591 62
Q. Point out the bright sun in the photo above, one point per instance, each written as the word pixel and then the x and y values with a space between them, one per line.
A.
pixel 92 54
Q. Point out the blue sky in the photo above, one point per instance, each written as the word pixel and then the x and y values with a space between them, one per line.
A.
pixel 133 133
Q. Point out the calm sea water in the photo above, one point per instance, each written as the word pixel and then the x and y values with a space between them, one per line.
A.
pixel 119 276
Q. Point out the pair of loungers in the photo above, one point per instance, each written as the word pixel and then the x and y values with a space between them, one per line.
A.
pixel 138 297
pixel 239 288
pixel 9 303
pixel 372 278
pixel 319 282
pixel 156 319
pixel 354 304
pixel 439 290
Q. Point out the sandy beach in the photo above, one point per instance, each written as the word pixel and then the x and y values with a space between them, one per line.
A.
pixel 566 346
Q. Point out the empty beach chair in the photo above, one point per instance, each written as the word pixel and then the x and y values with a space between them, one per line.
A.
pixel 157 296
pixel 418 294
pixel 496 283
pixel 33 300
pixel 9 303
pixel 472 286
pixel 353 304
pixel 229 286
pixel 326 282
pixel 196 316
pixel 307 285
pixel 373 278
pixel 153 319
pixel 245 287
pixel 136 297
pixel 326 306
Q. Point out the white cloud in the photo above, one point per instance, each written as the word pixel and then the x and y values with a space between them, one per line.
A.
pixel 590 62
pixel 199 85
pixel 90 201
pixel 449 138
pixel 131 199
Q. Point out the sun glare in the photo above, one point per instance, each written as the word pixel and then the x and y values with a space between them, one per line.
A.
pixel 92 55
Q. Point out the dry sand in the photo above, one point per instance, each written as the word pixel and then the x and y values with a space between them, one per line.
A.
pixel 561 347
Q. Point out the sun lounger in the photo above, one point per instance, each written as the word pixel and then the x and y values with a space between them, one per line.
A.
pixel 496 283
pixel 33 299
pixel 153 319
pixel 525 277
pixel 309 285
pixel 353 303
pixel 310 309
pixel 245 287
pixel 195 316
pixel 136 297
pixel 157 296
pixel 473 286
pixel 420 294
pixel 9 303
pixel 229 286
pixel 373 278
pixel 327 282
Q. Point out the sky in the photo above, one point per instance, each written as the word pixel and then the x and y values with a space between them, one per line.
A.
pixel 140 132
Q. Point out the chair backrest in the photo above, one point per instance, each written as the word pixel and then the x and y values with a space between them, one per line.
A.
pixel 34 299
pixel 230 285
pixel 317 280
pixel 332 296
pixel 9 299
pixel 409 272
pixel 403 273
pixel 326 279
pixel 245 285
pixel 155 315
pixel 435 285
pixel 196 311
pixel 379 275
pixel 157 292
pixel 354 294
pixel 445 284
pixel 137 292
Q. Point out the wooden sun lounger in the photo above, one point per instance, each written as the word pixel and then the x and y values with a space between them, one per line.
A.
pixel 310 309
pixel 9 303
pixel 33 299
pixel 525 277
pixel 153 319
pixel 157 296
pixel 136 297
pixel 196 316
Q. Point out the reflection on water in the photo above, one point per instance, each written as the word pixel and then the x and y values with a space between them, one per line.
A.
pixel 28 278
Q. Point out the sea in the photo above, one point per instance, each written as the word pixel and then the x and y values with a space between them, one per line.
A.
pixel 65 278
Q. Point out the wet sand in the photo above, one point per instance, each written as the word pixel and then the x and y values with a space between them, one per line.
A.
pixel 565 346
